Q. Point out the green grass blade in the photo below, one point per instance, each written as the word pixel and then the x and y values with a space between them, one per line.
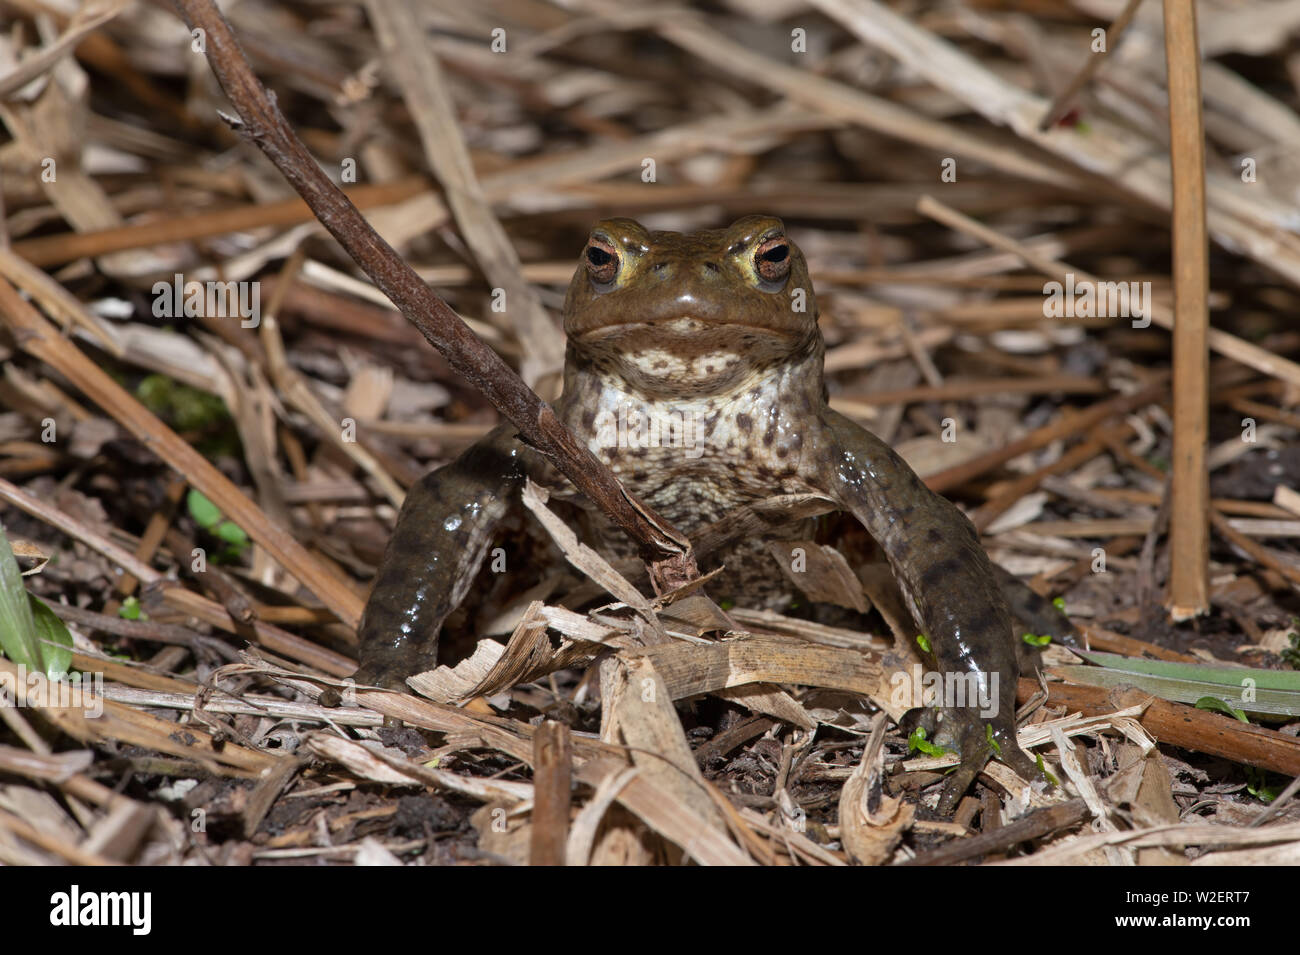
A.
pixel 1200 672
pixel 1254 699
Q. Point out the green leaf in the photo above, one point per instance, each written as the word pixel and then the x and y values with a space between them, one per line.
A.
pixel 204 512
pixel 231 533
pixel 918 743
pixel 1218 706
pixel 923 642
pixel 55 640
pixel 130 609
pixel 17 627
pixel 1036 640
pixel 1059 603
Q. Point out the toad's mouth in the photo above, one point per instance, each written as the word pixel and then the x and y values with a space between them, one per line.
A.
pixel 679 326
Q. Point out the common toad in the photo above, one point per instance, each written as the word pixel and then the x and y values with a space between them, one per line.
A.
pixel 694 371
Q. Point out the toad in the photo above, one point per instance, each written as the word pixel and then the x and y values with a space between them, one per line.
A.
pixel 694 371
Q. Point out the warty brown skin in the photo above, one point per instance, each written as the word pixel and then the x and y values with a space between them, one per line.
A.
pixel 712 338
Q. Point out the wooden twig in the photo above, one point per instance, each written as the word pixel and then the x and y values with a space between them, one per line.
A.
pixel 1181 725
pixel 1074 458
pixel 39 338
pixel 50 250
pixel 1146 574
pixel 150 630
pixel 552 787
pixel 196 605
pixel 1230 346
pixel 1063 98
pixel 84 22
pixel 1100 638
pixel 1063 427
pixel 662 547
pixel 1039 823
pixel 415 68
pixel 1258 552
pixel 1189 532
pixel 958 390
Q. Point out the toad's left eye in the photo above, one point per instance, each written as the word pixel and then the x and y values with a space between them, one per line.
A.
pixel 772 259
pixel 602 260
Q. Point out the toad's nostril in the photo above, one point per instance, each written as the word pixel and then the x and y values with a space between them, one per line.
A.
pixel 712 266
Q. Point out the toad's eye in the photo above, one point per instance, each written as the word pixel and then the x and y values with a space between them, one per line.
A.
pixel 772 259
pixel 602 261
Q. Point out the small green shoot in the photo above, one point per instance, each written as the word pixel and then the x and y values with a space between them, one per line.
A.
pixel 1256 779
pixel 1219 706
pixel 205 513
pixel 918 743
pixel 923 642
pixel 988 735
pixel 1042 768
pixel 208 516
pixel 1037 640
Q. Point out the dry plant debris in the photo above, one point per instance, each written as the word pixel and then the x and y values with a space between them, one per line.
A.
pixel 201 496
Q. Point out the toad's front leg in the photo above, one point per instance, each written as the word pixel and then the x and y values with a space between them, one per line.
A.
pixel 443 533
pixel 948 584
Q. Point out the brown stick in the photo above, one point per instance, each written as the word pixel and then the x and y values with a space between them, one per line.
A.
pixel 962 390
pixel 1076 457
pixel 1189 532
pixel 1257 551
pixel 1113 33
pixel 1229 346
pixel 1181 725
pixel 662 547
pixel 1100 638
pixel 38 337
pixel 1037 824
pixel 1062 427
pixel 154 532
pixel 552 793
pixel 190 603
pixel 65 247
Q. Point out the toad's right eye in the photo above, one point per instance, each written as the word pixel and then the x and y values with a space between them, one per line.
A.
pixel 602 261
